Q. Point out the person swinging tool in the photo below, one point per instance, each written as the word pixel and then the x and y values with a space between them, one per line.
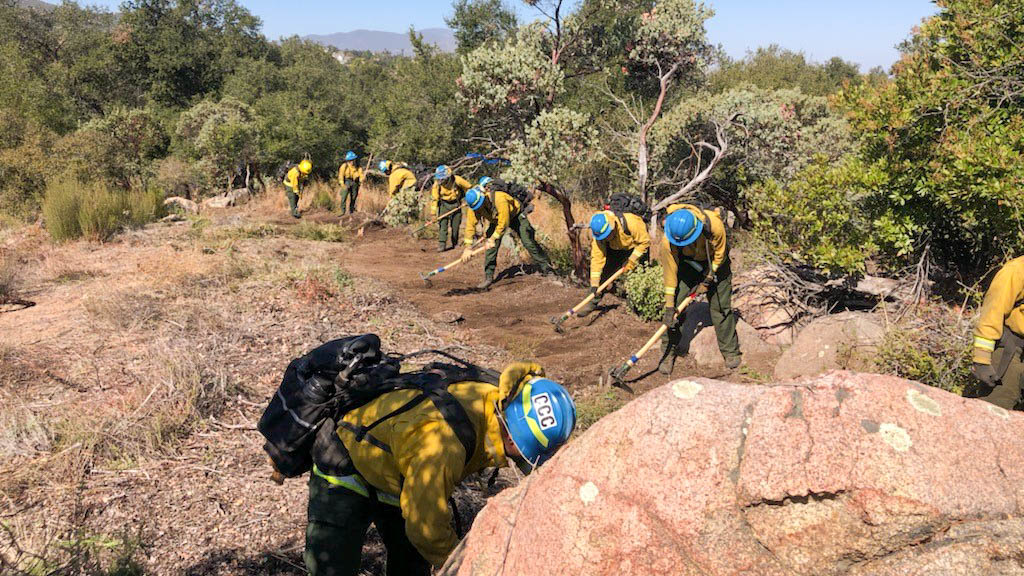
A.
pixel 446 194
pixel 503 206
pixel 694 253
pixel 400 177
pixel 350 177
pixel 998 339
pixel 617 243
pixel 293 183
pixel 403 453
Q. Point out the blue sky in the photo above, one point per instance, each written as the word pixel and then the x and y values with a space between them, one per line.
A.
pixel 863 31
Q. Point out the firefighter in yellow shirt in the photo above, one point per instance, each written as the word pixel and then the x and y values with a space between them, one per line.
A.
pixel 350 177
pixel 617 243
pixel 494 201
pixel 405 464
pixel 998 338
pixel 446 195
pixel 293 183
pixel 400 177
pixel 694 255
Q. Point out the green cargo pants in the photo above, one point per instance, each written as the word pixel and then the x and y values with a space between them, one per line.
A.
pixel 1006 394
pixel 349 194
pixel 521 227
pixel 338 520
pixel 722 315
pixel 293 200
pixel 453 222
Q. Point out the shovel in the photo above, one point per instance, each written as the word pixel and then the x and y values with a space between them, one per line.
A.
pixel 426 277
pixel 619 373
pixel 436 220
pixel 600 289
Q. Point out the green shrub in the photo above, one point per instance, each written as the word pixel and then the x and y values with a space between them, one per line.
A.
pixel 323 199
pixel 645 291
pixel 933 346
pixel 96 211
pixel 403 208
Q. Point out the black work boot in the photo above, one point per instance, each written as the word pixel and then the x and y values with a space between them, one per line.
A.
pixel 442 247
pixel 668 360
pixel 734 362
pixel 486 284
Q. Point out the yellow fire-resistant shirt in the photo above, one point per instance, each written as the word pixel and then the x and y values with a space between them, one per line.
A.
pixel 708 250
pixel 400 179
pixel 637 240
pixel 294 179
pixel 451 190
pixel 1003 306
pixel 503 209
pixel 349 171
pixel 426 459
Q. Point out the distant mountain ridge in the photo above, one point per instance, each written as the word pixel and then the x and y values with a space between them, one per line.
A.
pixel 380 41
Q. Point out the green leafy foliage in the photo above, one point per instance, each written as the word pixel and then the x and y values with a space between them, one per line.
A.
pixel 478 22
pixel 403 208
pixel 775 68
pixel 556 139
pixel 947 137
pixel 645 291
pixel 814 219
pixel 224 135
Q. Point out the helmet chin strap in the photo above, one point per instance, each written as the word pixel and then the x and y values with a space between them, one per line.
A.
pixel 522 466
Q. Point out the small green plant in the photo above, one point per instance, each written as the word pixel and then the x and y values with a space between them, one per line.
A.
pixel 933 346
pixel 645 291
pixel 591 408
pixel 341 278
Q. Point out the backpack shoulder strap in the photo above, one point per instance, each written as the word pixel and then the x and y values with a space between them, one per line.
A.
pixel 622 220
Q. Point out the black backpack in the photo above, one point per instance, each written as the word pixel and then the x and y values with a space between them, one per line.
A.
pixel 320 387
pixel 621 204
pixel 517 191
pixel 282 170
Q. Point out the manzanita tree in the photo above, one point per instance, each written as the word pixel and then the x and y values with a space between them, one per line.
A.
pixel 515 89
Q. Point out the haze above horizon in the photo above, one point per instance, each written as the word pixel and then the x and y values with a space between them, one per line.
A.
pixel 865 32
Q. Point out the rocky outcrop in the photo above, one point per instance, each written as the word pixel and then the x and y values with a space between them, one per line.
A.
pixel 182 205
pixel 766 307
pixel 705 353
pixel 846 341
pixel 845 474
pixel 233 198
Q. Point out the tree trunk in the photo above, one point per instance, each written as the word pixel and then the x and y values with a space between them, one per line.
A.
pixel 579 263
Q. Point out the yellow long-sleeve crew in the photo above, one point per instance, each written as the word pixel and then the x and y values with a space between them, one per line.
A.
pixel 349 171
pixel 710 249
pixel 400 179
pixel 1003 307
pixel 637 239
pixel 454 191
pixel 425 460
pixel 502 208
pixel 294 179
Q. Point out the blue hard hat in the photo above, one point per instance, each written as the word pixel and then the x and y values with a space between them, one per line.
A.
pixel 475 198
pixel 384 165
pixel 540 419
pixel 350 156
pixel 601 226
pixel 442 172
pixel 484 181
pixel 682 227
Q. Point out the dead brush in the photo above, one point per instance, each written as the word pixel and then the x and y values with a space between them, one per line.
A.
pixel 314 288
pixel 124 310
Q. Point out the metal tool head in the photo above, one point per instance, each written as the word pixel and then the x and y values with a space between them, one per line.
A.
pixel 557 321
pixel 426 279
pixel 622 385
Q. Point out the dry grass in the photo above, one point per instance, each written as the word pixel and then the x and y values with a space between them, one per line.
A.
pixel 124 310
pixel 9 281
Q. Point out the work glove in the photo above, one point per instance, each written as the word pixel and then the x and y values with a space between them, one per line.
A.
pixel 514 376
pixel 433 209
pixel 593 292
pixel 630 266
pixel 467 255
pixel 985 374
pixel 491 243
pixel 669 317
pixel 704 286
